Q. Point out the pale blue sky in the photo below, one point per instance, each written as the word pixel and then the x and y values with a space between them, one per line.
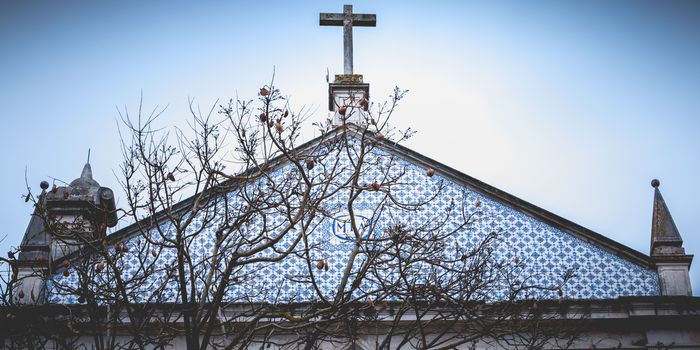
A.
pixel 572 106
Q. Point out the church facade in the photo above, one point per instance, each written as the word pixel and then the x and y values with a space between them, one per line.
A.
pixel 350 240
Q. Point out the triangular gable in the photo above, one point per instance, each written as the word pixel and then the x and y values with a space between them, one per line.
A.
pixel 543 244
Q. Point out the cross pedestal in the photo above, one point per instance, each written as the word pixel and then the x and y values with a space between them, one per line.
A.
pixel 349 95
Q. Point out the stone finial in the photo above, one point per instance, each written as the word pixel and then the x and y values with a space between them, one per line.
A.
pixel 666 250
pixel 665 238
pixel 78 212
pixel 85 179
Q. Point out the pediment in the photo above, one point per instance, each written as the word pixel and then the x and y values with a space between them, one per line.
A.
pixel 543 245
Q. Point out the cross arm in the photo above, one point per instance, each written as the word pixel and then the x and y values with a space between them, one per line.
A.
pixel 331 19
pixel 363 20
pixel 358 20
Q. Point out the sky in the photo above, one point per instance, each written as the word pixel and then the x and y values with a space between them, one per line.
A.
pixel 573 106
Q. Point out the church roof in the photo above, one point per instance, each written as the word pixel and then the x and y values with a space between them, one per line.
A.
pixel 476 185
pixel 603 267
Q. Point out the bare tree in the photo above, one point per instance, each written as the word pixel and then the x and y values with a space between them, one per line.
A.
pixel 244 238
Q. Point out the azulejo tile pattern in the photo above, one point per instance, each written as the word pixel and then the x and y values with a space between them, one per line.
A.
pixel 546 253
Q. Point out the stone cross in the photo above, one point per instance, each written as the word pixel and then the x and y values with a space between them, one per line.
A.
pixel 347 19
